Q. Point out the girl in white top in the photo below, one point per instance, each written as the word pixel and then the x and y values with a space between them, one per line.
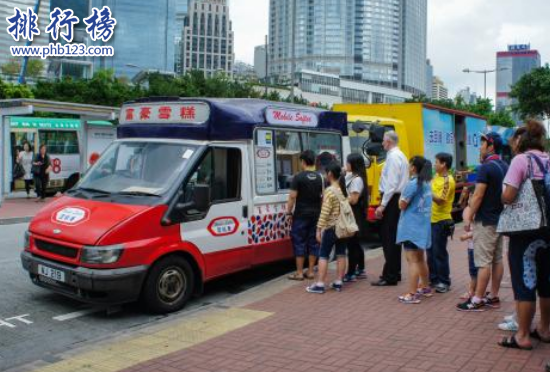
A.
pixel 25 159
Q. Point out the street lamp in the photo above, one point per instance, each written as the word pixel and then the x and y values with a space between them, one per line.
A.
pixel 484 72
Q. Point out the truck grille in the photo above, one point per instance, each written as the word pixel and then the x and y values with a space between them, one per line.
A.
pixel 57 249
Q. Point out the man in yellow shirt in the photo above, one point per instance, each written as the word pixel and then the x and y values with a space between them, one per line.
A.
pixel 443 190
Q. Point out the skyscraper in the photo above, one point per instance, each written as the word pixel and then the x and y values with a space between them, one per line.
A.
pixel 6 40
pixel 381 42
pixel 143 36
pixel 181 17
pixel 208 38
pixel 512 64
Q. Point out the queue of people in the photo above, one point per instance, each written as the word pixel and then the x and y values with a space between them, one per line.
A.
pixel 415 216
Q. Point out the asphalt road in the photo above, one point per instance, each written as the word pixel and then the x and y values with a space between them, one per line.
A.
pixel 36 324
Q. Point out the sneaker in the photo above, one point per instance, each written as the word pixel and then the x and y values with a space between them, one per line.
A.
pixel 410 299
pixel 471 306
pixel 508 326
pixel 316 289
pixel 510 318
pixel 492 302
pixel 349 278
pixel 361 274
pixel 442 288
pixel 426 292
pixel 336 286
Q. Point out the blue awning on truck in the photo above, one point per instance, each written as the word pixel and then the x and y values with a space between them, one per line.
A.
pixel 219 119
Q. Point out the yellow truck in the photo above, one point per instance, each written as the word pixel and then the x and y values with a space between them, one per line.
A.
pixel 423 129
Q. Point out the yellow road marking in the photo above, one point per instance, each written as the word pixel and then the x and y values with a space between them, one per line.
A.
pixel 126 353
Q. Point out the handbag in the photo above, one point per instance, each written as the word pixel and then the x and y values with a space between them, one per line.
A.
pixel 527 214
pixel 18 171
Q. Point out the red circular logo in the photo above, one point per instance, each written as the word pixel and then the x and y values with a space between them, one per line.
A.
pixel 93 158
pixel 56 165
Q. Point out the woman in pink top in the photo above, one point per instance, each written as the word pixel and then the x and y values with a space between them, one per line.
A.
pixel 528 254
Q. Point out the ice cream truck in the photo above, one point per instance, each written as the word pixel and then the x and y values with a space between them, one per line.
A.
pixel 192 190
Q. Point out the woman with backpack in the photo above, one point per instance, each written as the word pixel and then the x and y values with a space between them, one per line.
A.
pixel 355 183
pixel 414 229
pixel 326 232
pixel 528 252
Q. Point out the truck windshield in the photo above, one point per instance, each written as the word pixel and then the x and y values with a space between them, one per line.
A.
pixel 137 168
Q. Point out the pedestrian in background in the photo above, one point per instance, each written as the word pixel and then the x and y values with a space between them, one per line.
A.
pixel 529 253
pixel 443 194
pixel 304 207
pixel 395 176
pixel 42 167
pixel 485 209
pixel 356 187
pixel 326 232
pixel 414 229
pixel 26 160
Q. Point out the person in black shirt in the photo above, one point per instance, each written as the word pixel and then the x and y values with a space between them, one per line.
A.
pixel 41 171
pixel 485 209
pixel 304 207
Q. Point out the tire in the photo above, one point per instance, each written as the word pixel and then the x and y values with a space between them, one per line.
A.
pixel 169 285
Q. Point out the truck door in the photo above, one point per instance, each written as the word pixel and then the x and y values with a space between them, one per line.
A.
pixel 219 187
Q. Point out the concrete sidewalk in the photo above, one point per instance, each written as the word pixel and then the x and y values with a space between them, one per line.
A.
pixel 280 327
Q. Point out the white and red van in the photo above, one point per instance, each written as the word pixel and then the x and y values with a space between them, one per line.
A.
pixel 192 189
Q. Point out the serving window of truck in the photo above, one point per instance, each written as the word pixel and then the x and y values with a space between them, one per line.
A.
pixel 192 190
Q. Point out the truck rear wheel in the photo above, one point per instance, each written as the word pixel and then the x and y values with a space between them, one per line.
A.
pixel 169 285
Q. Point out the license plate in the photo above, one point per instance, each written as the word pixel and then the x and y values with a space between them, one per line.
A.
pixel 54 274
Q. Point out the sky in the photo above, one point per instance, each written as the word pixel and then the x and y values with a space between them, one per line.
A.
pixel 461 34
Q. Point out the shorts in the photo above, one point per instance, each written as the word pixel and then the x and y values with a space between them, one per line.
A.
pixel 410 246
pixel 529 260
pixel 488 245
pixel 472 269
pixel 303 237
pixel 329 240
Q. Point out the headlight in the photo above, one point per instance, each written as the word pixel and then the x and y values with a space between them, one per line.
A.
pixel 27 241
pixel 102 255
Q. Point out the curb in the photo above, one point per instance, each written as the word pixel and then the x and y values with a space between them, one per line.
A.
pixel 14 221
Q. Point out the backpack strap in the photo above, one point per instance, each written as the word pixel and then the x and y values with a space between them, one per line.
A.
pixel 543 169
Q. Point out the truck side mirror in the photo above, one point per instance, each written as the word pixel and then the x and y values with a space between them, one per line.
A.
pixel 374 149
pixel 359 127
pixel 377 133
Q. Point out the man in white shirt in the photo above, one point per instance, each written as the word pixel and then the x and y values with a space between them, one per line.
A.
pixel 395 176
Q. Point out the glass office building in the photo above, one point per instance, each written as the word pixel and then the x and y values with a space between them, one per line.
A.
pixel 381 42
pixel 512 64
pixel 143 37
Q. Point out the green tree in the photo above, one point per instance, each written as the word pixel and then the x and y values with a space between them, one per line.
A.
pixel 34 68
pixel 11 68
pixel 533 93
pixel 501 118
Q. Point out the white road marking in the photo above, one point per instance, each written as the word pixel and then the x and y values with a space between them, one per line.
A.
pixel 77 314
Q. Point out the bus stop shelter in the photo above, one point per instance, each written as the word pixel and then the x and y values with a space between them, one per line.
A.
pixel 28 107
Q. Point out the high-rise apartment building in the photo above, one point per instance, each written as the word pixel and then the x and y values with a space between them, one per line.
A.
pixel 260 61
pixel 143 37
pixel 439 90
pixel 429 78
pixel 208 38
pixel 381 42
pixel 512 64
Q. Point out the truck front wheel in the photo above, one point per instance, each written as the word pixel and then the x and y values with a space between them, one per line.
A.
pixel 169 285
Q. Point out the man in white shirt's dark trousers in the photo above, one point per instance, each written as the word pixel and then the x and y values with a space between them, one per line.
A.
pixel 395 176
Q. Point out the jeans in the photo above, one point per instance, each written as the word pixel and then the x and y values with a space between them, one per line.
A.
pixel 356 255
pixel 303 237
pixel 438 257
pixel 329 240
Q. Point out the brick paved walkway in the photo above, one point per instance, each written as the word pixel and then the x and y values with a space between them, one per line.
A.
pixel 20 208
pixel 361 329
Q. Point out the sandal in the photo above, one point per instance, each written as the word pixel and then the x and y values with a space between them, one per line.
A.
pixel 309 276
pixel 536 335
pixel 295 276
pixel 511 343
